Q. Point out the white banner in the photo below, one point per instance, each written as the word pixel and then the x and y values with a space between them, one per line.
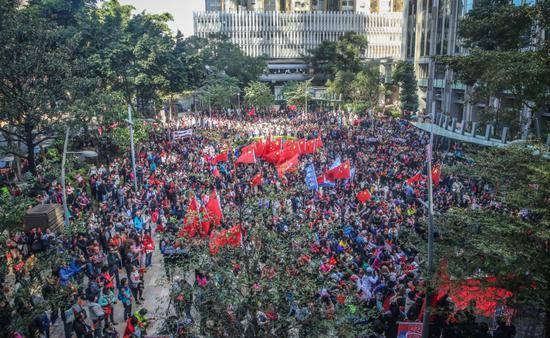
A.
pixel 182 134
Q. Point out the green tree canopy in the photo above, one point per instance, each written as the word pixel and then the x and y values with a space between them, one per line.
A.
pixel 497 25
pixel 366 86
pixel 509 242
pixel 39 79
pixel 345 55
pixel 297 93
pixel 508 59
pixel 258 94
pixel 219 91
pixel 403 74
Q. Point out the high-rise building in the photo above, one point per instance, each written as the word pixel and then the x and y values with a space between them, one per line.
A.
pixel 291 35
pixel 430 29
pixel 285 30
pixel 303 6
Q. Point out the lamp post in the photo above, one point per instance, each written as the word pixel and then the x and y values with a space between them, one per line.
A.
pixel 426 318
pixel 239 102
pixel 84 153
pixel 132 148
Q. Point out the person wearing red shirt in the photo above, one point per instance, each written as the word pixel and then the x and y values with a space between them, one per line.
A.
pixel 148 248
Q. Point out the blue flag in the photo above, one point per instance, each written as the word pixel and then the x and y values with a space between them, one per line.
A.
pixel 311 178
pixel 335 163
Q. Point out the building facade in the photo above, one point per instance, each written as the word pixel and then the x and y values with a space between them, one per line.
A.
pixel 304 6
pixel 430 28
pixel 291 35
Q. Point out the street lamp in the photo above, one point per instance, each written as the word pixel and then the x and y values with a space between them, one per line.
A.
pixel 83 153
pixel 426 318
pixel 132 147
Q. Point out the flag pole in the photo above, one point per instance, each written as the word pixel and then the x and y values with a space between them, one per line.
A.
pixel 425 319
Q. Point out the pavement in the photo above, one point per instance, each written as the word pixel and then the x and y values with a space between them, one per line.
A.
pixel 155 293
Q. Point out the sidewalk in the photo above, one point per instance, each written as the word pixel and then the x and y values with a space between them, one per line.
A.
pixel 156 294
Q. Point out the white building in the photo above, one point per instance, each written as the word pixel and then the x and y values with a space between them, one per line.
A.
pixel 290 35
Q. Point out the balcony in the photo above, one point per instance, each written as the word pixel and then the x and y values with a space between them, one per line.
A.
pixel 284 77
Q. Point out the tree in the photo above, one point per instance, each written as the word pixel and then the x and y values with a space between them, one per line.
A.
pixel 225 56
pixel 134 54
pixel 509 241
pixel 496 25
pixel 297 93
pixel 258 94
pixel 219 90
pixel 507 60
pixel 345 55
pixel 259 277
pixel 342 84
pixel 366 85
pixel 403 74
pixel 38 79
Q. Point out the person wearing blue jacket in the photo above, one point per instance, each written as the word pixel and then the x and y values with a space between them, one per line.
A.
pixel 67 271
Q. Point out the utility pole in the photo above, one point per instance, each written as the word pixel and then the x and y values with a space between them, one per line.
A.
pixel 63 159
pixel 132 148
pixel 427 309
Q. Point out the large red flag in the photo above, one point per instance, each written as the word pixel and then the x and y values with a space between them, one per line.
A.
pixel 204 229
pixel 248 158
pixel 259 148
pixel 309 147
pixel 289 165
pixel 214 208
pixel 436 175
pixel 273 157
pixel 343 171
pixel 256 180
pixel 290 149
pixel 248 148
pixel 414 179
pixel 221 157
pixel 364 196
pixel 274 145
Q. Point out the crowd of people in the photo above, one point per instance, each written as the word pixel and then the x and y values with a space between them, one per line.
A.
pixel 103 262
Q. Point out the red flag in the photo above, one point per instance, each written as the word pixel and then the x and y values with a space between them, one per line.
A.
pixel 256 180
pixel 273 157
pixel 193 206
pixel 290 149
pixel 221 157
pixel 259 148
pixel 303 144
pixel 217 240
pixel 289 165
pixel 189 228
pixel 309 147
pixel 436 175
pixel 292 107
pixel 234 236
pixel 216 172
pixel 318 142
pixel 340 172
pixel 248 158
pixel 204 229
pixel 364 196
pixel 214 208
pixel 252 111
pixel 415 178
pixel 274 146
